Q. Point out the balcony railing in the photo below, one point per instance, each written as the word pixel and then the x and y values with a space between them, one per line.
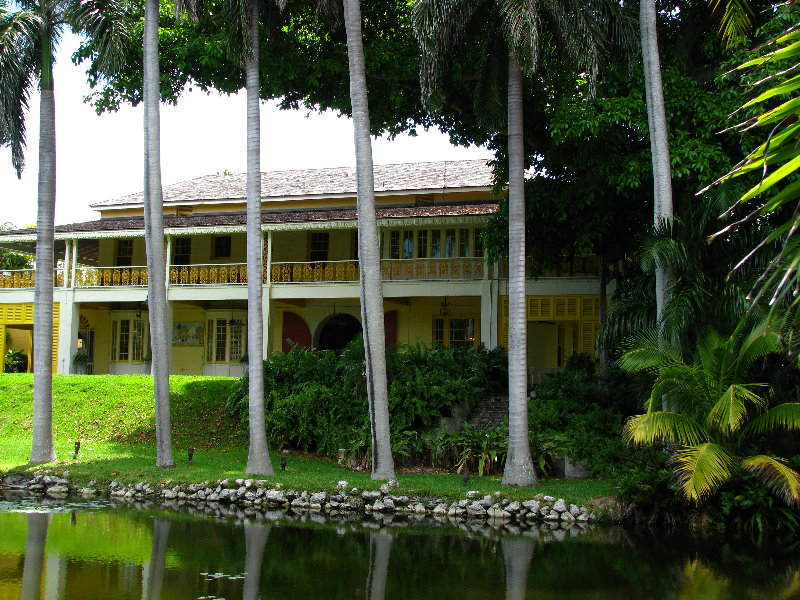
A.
pixel 26 278
pixel 339 271
pixel 208 274
pixel 111 276
pixel 345 271
pixel 432 269
pixel 414 269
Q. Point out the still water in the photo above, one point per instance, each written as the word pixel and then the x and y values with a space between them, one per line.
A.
pixel 97 550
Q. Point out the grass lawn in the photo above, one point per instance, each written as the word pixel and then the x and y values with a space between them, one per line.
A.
pixel 112 416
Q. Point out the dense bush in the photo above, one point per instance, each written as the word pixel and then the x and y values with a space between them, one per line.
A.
pixel 580 414
pixel 316 400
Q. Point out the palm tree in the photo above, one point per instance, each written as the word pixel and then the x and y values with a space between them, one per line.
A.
pixel 659 142
pixel 28 37
pixel 716 413
pixel 160 339
pixel 243 21
pixel 368 253
pixel 515 28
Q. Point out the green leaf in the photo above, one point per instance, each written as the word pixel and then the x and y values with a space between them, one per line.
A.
pixel 702 469
pixel 777 475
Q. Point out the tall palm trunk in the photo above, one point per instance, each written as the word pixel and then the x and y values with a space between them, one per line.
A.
pixel 160 339
pixel 519 468
pixel 659 142
pixel 258 462
pixel 368 253
pixel 42 449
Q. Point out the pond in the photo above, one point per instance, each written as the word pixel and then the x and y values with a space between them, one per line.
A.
pixel 100 550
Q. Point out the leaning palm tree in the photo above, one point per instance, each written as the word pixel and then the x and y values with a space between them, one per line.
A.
pixel 29 35
pixel 242 17
pixel 716 412
pixel 368 253
pixel 160 338
pixel 515 29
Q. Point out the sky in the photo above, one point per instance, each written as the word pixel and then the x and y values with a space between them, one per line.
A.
pixel 101 157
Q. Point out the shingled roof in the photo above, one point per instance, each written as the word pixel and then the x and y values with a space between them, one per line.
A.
pixel 291 185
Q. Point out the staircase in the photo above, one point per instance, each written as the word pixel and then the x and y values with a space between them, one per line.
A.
pixel 490 410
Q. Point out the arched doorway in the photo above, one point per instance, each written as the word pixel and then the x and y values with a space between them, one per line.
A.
pixel 336 331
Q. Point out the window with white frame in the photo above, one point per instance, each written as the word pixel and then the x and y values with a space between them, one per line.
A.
pixel 129 340
pixel 225 340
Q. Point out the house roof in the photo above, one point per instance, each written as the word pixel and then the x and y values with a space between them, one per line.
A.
pixel 315 183
pixel 239 219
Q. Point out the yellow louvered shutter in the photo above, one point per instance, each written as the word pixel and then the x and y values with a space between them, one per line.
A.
pixel 503 329
pixel 566 308
pixel 589 331
pixel 590 307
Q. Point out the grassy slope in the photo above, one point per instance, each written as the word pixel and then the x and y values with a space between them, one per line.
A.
pixel 112 416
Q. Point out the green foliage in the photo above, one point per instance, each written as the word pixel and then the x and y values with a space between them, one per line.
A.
pixel 16 361
pixel 715 411
pixel 580 414
pixel 316 400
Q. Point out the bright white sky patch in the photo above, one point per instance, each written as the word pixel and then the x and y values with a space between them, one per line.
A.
pixel 101 157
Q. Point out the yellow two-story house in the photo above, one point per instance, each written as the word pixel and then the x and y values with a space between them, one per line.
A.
pixel 438 286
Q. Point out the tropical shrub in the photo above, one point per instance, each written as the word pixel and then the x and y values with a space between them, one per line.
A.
pixel 717 419
pixel 580 414
pixel 316 400
pixel 15 361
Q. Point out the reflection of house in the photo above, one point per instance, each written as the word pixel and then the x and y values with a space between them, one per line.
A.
pixel 437 285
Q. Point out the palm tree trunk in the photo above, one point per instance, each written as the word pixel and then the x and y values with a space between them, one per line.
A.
pixel 160 338
pixel 368 253
pixel 258 462
pixel 42 449
pixel 659 142
pixel 519 468
pixel 154 584
pixel 517 555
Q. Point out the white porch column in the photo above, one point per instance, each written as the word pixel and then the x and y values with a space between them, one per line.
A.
pixel 74 264
pixel 266 308
pixel 170 320
pixel 69 320
pixel 67 256
pixel 488 306
pixel 168 262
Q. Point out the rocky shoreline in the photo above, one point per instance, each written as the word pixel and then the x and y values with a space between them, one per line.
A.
pixel 254 495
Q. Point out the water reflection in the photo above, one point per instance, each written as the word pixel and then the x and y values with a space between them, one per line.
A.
pixel 380 546
pixel 33 567
pixel 517 555
pixel 122 554
pixel 153 578
pixel 255 541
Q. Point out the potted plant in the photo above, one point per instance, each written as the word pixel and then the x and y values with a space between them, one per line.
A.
pixel 81 361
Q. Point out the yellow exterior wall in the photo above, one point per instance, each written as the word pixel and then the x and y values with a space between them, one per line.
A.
pixel 108 252
pixel 22 314
pixel 290 246
pixel 188 360
pixel 569 310
pixel 100 321
pixel 416 323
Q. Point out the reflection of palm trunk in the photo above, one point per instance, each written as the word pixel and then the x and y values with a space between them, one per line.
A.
pixel 33 567
pixel 255 540
pixel 517 553
pixel 154 576
pixel 380 545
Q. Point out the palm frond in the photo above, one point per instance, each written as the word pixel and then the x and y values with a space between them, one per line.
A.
pixel 20 47
pixel 736 22
pixel 701 469
pixel 647 350
pixel 730 411
pixel 777 476
pixel 106 23
pixel 655 427
pixel 784 417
